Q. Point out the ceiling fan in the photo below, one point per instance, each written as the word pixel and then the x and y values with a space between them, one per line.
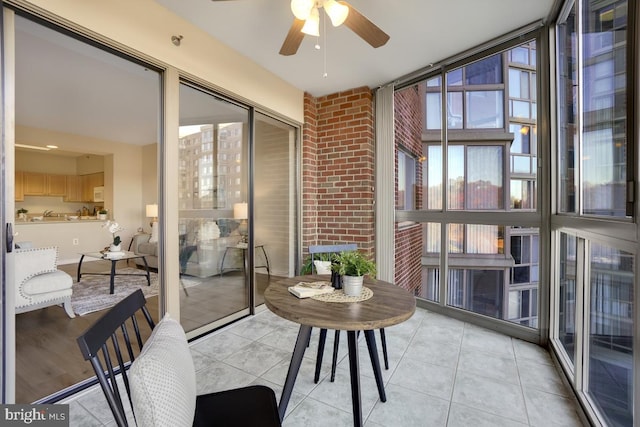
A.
pixel 307 21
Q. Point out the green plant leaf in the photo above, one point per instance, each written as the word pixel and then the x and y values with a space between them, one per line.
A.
pixel 353 263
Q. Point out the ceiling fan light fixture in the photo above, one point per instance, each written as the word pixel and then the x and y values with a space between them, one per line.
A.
pixel 312 24
pixel 302 8
pixel 337 12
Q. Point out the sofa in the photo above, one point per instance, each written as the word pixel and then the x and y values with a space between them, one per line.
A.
pixel 202 246
pixel 142 246
pixel 38 281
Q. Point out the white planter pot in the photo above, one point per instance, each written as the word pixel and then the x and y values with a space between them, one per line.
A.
pixel 102 217
pixel 115 248
pixel 352 285
pixel 322 267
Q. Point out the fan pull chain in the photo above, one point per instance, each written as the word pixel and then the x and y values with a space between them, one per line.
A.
pixel 324 52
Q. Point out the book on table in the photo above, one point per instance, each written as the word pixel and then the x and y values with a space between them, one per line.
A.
pixel 113 254
pixel 309 289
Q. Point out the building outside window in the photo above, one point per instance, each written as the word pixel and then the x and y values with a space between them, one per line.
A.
pixel 491 167
pixel 406 181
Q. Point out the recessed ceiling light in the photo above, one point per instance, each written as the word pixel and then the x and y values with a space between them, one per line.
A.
pixel 32 147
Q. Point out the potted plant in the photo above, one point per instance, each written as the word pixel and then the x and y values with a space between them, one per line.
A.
pixel 353 266
pixel 102 214
pixel 322 262
pixel 113 228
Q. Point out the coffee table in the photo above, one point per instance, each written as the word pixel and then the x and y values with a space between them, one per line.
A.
pixel 125 256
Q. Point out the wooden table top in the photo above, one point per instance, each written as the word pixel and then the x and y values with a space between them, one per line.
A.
pixel 388 306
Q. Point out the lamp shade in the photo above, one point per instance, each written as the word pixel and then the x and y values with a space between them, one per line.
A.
pixel 301 8
pixel 312 24
pixel 337 12
pixel 240 210
pixel 152 211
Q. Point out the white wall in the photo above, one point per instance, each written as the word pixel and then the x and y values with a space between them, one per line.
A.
pixel 147 27
pixel 44 162
pixel 90 234
pixel 272 199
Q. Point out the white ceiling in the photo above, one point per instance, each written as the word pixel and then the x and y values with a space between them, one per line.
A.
pixel 69 86
pixel 66 85
pixel 422 32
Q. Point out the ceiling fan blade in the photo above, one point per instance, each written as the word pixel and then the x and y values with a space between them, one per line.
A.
pixel 367 30
pixel 294 38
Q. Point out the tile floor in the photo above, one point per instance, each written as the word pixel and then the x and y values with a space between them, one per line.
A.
pixel 442 372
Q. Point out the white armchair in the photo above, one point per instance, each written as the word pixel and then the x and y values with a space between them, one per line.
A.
pixel 39 283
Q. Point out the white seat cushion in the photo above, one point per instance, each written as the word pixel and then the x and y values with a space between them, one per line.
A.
pixel 163 378
pixel 47 283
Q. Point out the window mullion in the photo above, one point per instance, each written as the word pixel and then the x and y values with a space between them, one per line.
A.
pixel 581 315
pixel 444 228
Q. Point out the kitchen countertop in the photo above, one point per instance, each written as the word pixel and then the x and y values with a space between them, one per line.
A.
pixel 58 220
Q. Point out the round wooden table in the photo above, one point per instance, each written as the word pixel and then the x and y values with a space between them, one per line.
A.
pixel 388 306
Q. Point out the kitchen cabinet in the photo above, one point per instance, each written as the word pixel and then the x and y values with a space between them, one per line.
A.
pixel 19 186
pixel 42 184
pixel 56 185
pixel 89 182
pixel 74 189
pixel 35 184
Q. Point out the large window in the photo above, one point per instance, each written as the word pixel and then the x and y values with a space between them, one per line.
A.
pixel 567 294
pixel 594 288
pixel 489 165
pixel 475 97
pixel 610 345
pixel 592 75
pixel 476 177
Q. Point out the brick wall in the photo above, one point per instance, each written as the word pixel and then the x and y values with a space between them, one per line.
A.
pixel 409 123
pixel 338 169
pixel 309 173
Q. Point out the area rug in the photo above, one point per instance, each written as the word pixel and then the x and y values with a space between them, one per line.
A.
pixel 91 293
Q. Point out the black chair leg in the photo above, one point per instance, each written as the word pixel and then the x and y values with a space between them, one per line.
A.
pixel 334 361
pixel 323 338
pixel 336 344
pixel 184 288
pixel 383 339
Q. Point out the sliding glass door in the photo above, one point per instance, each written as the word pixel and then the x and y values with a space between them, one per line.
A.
pixel 213 209
pixel 82 114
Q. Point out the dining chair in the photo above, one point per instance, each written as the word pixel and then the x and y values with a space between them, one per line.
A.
pixel 159 376
pixel 315 251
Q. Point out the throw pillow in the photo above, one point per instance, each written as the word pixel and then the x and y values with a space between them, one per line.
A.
pixel 163 378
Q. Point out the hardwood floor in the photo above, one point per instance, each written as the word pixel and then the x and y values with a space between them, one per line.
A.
pixel 48 359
